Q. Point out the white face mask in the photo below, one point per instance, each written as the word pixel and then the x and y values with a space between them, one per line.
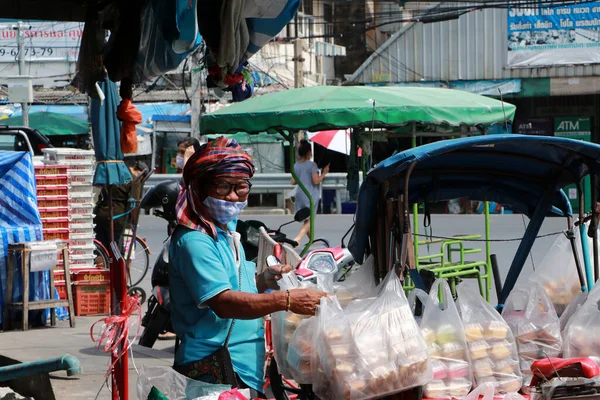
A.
pixel 223 211
pixel 179 162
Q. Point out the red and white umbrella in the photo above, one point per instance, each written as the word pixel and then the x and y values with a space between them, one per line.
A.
pixel 333 140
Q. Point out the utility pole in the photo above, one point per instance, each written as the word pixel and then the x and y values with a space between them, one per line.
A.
pixel 21 60
pixel 298 59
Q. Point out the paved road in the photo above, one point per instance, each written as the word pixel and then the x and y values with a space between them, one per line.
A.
pixel 333 227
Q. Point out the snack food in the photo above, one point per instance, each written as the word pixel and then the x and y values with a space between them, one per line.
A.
pixel 500 350
pixel 478 350
pixel 497 330
pixel 474 332
pixel 449 349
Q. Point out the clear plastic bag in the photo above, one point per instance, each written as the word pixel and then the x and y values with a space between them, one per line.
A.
pixel 490 342
pixel 557 272
pixel 535 325
pixel 422 296
pixel 284 324
pixel 486 391
pixel 176 386
pixel 371 349
pixel 360 284
pixel 444 333
pixel 582 335
pixel 571 310
pixel 299 351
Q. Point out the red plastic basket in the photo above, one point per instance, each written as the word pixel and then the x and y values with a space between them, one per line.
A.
pixel 91 275
pixel 61 288
pixel 91 297
pixel 54 169
pixel 56 234
pixel 53 201
pixel 55 223
pixel 51 180
pixel 53 190
pixel 53 212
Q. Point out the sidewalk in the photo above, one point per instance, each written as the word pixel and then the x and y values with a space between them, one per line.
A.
pixel 39 344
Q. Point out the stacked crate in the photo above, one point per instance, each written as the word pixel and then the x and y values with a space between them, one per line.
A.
pixel 90 294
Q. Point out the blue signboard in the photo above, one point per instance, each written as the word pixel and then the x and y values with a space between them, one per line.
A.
pixel 547 36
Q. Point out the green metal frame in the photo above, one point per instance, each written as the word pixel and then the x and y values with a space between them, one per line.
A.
pixel 290 138
pixel 450 270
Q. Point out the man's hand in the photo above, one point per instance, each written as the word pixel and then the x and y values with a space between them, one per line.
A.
pixel 268 279
pixel 305 301
pixel 325 170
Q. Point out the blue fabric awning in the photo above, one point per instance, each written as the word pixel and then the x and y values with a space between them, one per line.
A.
pixel 514 170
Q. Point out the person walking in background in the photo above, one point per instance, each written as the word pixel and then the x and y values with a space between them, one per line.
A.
pixel 185 149
pixel 308 173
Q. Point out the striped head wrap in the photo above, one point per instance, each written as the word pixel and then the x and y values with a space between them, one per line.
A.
pixel 218 157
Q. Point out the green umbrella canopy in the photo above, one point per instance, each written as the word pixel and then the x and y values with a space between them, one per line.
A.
pixel 245 138
pixel 50 123
pixel 340 107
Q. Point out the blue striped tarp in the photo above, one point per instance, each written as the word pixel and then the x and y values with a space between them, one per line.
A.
pixel 19 222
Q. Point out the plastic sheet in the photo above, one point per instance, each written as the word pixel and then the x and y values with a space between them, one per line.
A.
pixel 444 333
pixel 176 386
pixel 557 272
pixel 371 349
pixel 490 341
pixel 535 325
pixel 485 391
pixel 571 309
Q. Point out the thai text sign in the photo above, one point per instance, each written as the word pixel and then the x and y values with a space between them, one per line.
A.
pixel 546 36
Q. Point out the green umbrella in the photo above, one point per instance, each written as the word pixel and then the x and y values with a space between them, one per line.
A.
pixel 340 107
pixel 50 123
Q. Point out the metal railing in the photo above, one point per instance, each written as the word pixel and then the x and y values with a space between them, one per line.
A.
pixel 276 183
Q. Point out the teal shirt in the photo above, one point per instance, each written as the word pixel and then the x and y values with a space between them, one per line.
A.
pixel 199 269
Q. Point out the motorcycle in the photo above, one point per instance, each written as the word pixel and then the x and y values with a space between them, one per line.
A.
pixel 161 199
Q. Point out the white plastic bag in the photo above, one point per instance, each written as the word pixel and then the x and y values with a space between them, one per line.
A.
pixel 360 284
pixel 422 296
pixel 284 324
pixel 582 335
pixel 371 349
pixel 571 310
pixel 299 351
pixel 177 386
pixel 444 333
pixel 535 325
pixel 557 272
pixel 490 341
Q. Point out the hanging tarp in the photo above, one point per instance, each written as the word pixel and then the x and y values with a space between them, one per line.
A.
pixel 19 222
pixel 51 124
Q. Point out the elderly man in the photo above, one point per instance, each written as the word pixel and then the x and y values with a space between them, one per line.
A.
pixel 217 300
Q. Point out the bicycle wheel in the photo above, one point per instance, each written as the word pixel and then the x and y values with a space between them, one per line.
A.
pixel 102 260
pixel 140 259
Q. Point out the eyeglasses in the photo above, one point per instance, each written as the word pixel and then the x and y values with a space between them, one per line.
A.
pixel 241 188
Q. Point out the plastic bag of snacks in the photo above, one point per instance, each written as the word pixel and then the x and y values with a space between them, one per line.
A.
pixel 371 349
pixel 284 324
pixel 571 310
pixel 299 351
pixel 582 335
pixel 535 325
pixel 421 296
pixel 361 283
pixel 558 273
pixel 490 341
pixel 445 336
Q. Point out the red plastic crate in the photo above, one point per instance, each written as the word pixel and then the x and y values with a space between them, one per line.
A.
pixel 53 169
pixel 55 223
pixel 53 201
pixel 54 234
pixel 91 275
pixel 51 180
pixel 52 190
pixel 62 289
pixel 53 212
pixel 91 297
